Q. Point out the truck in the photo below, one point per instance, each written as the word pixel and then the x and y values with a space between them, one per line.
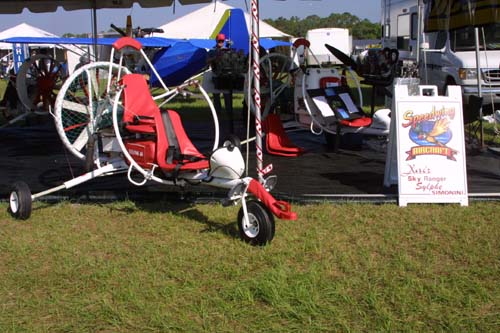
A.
pixel 445 57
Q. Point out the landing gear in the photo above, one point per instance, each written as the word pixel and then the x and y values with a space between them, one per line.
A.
pixel 20 201
pixel 260 227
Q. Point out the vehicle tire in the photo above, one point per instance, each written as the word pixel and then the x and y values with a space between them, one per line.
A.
pixel 393 56
pixel 260 228
pixel 20 202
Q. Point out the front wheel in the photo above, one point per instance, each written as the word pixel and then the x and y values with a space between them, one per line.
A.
pixel 260 227
pixel 20 201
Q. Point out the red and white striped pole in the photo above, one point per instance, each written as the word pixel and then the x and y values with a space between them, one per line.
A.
pixel 256 87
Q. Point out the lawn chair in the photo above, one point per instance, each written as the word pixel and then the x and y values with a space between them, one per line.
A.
pixel 472 119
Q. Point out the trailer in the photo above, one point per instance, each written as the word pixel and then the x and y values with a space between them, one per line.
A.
pixel 333 36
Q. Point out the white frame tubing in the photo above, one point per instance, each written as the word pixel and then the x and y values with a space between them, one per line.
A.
pixel 113 167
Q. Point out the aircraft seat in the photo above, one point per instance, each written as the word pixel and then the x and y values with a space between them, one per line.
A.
pixel 356 116
pixel 161 138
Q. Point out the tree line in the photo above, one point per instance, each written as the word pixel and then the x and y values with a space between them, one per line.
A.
pixel 359 29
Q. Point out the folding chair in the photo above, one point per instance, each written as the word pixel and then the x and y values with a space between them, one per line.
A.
pixel 472 120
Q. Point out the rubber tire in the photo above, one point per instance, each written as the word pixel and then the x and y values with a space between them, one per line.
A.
pixel 259 214
pixel 20 202
pixel 393 56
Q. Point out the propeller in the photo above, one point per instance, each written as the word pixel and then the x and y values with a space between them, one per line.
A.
pixel 344 58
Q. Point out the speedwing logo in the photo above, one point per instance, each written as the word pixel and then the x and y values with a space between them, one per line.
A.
pixel 430 132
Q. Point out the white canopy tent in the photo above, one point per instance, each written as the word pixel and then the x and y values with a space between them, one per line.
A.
pixel 22 30
pixel 44 6
pixel 207 19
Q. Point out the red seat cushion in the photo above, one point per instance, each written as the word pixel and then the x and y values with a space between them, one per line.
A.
pixel 142 115
pixel 359 122
pixel 277 141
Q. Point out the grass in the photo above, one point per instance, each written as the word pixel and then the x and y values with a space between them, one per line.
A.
pixel 161 267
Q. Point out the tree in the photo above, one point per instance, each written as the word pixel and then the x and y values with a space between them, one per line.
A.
pixel 70 35
pixel 360 29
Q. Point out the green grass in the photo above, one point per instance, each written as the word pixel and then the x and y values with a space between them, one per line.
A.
pixel 161 267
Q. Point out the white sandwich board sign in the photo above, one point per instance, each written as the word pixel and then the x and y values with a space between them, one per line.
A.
pixel 427 139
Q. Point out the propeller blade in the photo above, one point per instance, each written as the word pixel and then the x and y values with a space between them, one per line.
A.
pixel 344 58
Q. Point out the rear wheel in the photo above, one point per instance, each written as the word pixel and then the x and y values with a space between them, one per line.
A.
pixel 20 202
pixel 260 227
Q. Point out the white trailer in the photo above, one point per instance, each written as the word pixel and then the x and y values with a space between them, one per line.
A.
pixel 338 37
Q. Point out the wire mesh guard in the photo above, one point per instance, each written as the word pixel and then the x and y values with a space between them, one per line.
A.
pixel 84 104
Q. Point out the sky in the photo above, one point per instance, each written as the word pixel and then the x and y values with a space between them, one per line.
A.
pixel 79 21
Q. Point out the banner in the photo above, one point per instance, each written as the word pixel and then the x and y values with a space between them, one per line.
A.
pixel 20 52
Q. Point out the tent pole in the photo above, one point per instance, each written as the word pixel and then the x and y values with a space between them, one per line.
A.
pixel 94 29
pixel 256 88
pixel 479 89
pixel 419 29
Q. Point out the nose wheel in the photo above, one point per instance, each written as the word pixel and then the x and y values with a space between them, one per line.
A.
pixel 259 228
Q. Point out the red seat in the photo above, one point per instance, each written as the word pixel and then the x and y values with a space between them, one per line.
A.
pixel 141 115
pixel 277 141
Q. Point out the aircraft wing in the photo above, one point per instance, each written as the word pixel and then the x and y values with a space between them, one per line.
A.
pixel 146 42
pixel 266 43
pixel 178 60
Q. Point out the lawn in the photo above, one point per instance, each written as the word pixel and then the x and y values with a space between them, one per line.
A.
pixel 161 267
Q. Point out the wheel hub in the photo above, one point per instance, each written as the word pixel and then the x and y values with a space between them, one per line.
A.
pixel 14 202
pixel 251 227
